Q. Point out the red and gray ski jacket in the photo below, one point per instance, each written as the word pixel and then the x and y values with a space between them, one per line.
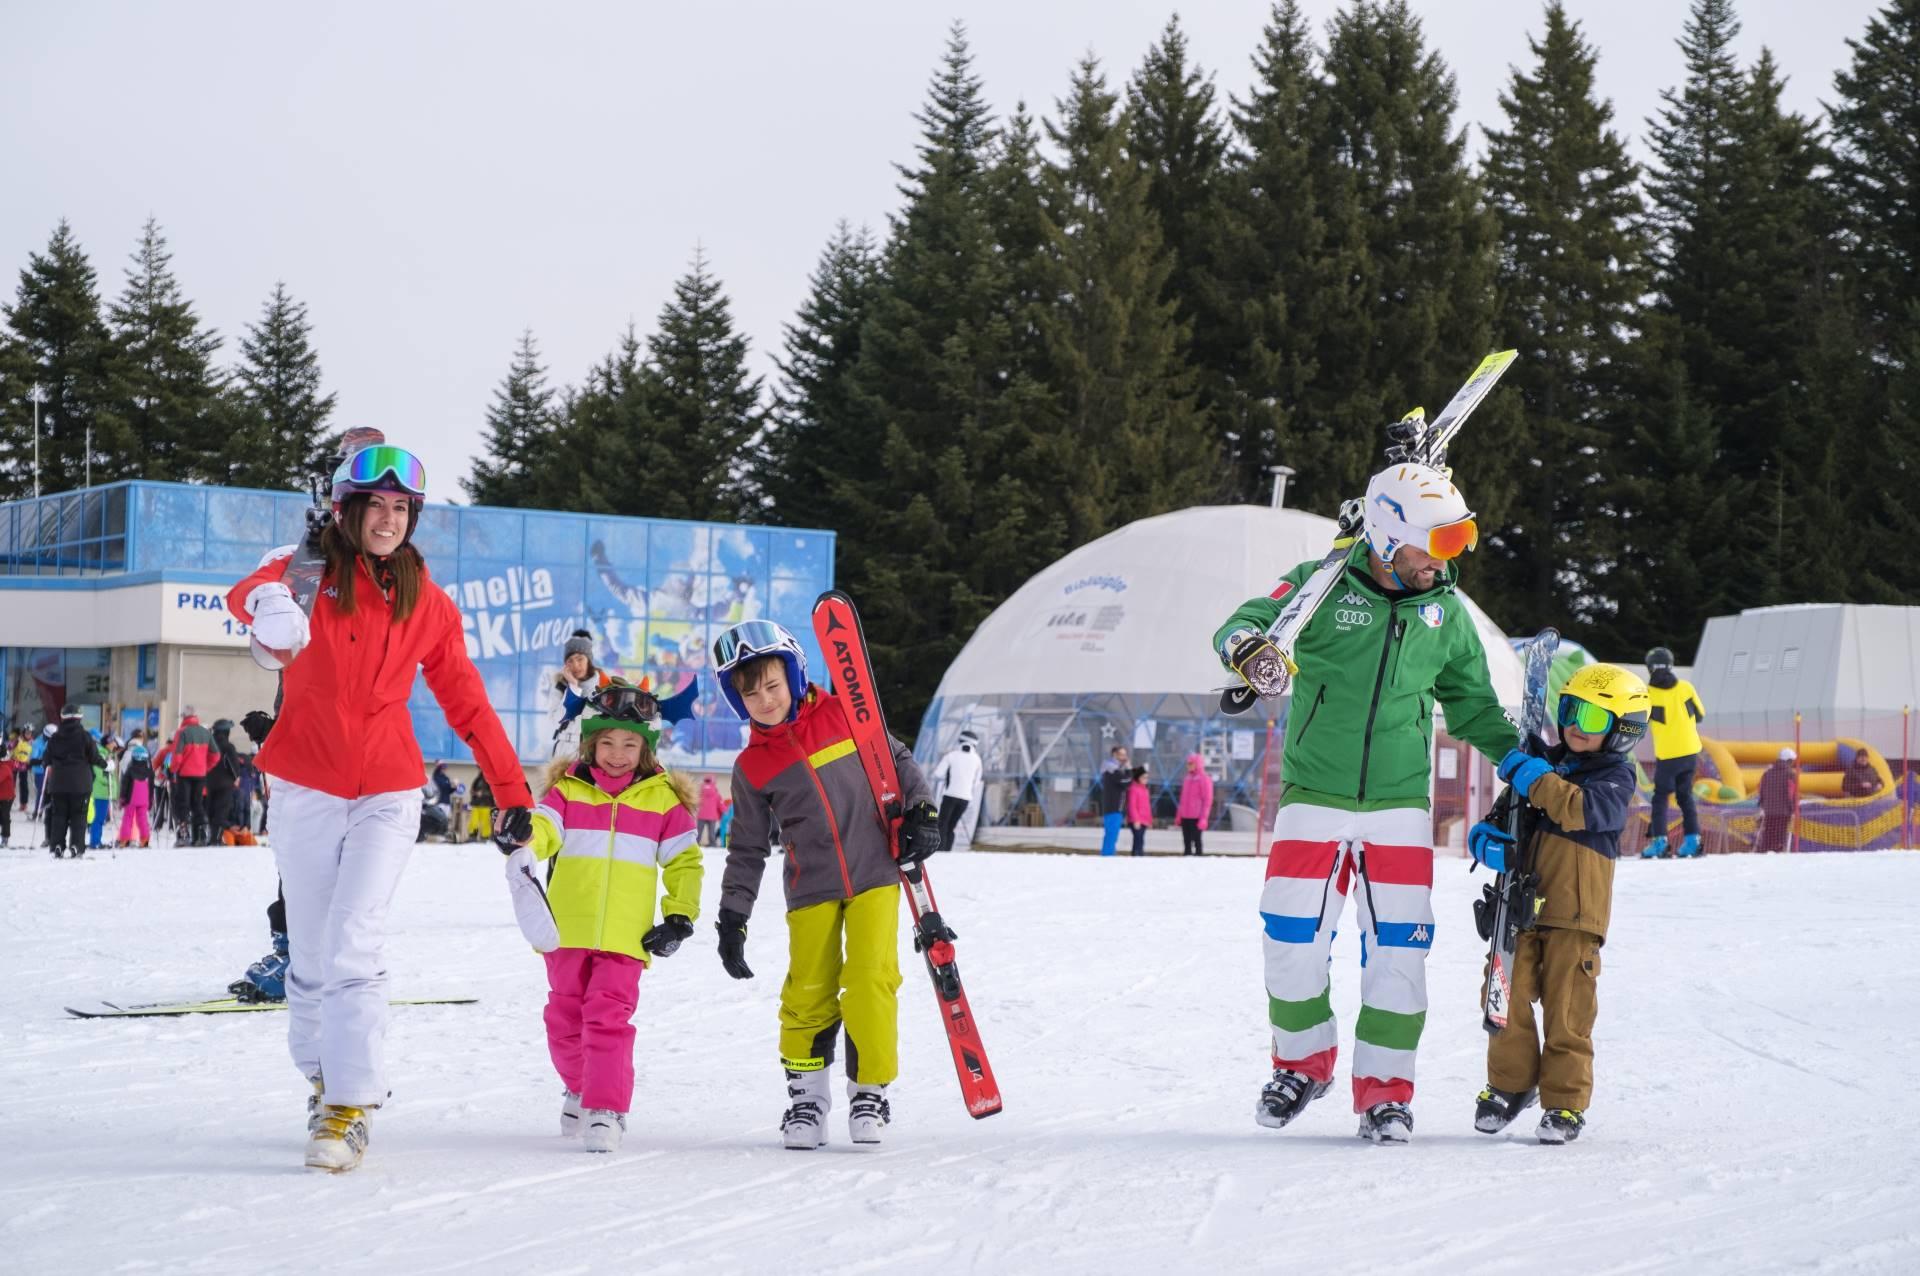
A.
pixel 192 749
pixel 805 778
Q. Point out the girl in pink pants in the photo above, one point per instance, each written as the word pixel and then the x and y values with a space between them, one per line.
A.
pixel 618 830
pixel 136 794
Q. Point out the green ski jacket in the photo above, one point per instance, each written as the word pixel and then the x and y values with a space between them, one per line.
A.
pixel 1360 730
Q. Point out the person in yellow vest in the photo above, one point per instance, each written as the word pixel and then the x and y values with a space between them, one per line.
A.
pixel 1675 718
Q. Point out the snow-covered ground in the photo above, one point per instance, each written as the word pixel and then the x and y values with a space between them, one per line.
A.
pixel 1758 1029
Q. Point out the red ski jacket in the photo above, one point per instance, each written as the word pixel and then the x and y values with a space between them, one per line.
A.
pixel 344 727
pixel 192 749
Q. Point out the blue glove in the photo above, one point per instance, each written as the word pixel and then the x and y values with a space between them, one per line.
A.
pixel 1522 770
pixel 1489 844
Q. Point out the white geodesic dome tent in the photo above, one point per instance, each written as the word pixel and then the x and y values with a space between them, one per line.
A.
pixel 1113 644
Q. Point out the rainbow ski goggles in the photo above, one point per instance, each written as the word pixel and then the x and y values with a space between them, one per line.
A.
pixel 748 638
pixel 1585 715
pixel 1450 540
pixel 383 466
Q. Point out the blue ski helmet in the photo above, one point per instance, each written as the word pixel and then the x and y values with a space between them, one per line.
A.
pixel 751 638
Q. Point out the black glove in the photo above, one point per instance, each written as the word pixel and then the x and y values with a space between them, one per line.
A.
pixel 919 834
pixel 665 939
pixel 733 943
pixel 256 724
pixel 514 830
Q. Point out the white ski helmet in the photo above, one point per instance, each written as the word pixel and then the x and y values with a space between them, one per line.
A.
pixel 1417 505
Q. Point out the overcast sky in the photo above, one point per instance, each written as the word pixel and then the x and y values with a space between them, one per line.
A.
pixel 431 178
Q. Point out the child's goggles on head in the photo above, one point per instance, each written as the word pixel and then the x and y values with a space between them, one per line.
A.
pixel 1450 540
pixel 1585 715
pixel 627 704
pixel 748 638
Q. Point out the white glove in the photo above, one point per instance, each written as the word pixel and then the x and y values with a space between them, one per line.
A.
pixel 278 621
pixel 530 907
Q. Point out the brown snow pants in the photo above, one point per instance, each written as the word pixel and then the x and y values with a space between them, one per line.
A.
pixel 1561 970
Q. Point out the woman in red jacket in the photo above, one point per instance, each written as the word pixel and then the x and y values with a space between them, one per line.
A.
pixel 348 771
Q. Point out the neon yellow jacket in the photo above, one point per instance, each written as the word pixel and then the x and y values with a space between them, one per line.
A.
pixel 1675 719
pixel 612 852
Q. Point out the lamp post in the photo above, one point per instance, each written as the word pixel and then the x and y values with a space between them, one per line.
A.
pixel 39 395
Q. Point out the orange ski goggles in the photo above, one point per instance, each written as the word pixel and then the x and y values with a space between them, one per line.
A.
pixel 1450 540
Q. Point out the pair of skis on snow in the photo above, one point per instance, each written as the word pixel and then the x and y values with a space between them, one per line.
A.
pixel 844 644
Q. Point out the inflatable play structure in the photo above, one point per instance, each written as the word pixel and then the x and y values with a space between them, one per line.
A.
pixel 1727 784
pixel 1730 770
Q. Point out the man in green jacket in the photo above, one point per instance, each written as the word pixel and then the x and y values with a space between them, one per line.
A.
pixel 1390 640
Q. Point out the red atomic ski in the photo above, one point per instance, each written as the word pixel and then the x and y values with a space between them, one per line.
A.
pixel 837 625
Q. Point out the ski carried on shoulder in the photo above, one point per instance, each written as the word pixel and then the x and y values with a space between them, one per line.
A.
pixel 309 561
pixel 219 1006
pixel 837 626
pixel 1268 665
pixel 1510 904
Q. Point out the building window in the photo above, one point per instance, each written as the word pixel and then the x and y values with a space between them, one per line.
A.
pixel 149 672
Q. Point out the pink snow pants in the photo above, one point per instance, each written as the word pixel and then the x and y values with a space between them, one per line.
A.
pixel 134 814
pixel 590 1023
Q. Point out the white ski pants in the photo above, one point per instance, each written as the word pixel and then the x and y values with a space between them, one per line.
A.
pixel 340 861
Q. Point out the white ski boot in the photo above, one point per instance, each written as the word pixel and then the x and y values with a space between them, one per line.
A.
pixel 570 1115
pixel 314 1101
pixel 601 1129
pixel 867 1112
pixel 804 1127
pixel 1387 1123
pixel 338 1138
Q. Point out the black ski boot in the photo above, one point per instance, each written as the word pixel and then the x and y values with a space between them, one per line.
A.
pixel 1561 1125
pixel 1286 1097
pixel 1496 1109
pixel 1387 1123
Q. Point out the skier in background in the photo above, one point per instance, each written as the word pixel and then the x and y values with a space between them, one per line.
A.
pixel 1114 777
pixel 349 769
pixel 579 678
pixel 1392 639
pixel 136 795
pixel 1677 715
pixel 801 773
pixel 71 759
pixel 1582 790
pixel 957 775
pixel 192 752
pixel 1196 804
pixel 1779 802
pixel 708 813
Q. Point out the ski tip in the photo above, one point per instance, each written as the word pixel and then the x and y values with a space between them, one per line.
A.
pixel 981 1109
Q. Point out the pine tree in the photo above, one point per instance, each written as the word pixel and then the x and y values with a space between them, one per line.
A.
pixel 1876 144
pixel 704 407
pixel 520 426
pixel 1414 313
pixel 165 387
pixel 1116 352
pixel 1744 270
pixel 813 428
pixel 55 339
pixel 1571 274
pixel 1176 134
pixel 281 416
pixel 1271 272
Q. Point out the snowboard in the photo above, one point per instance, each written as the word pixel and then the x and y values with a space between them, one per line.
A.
pixel 220 1006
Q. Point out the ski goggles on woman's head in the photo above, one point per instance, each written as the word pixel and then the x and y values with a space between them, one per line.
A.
pixel 628 704
pixel 1585 715
pixel 384 466
pixel 1450 540
pixel 748 638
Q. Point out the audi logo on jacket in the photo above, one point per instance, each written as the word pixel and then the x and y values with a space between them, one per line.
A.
pixel 343 726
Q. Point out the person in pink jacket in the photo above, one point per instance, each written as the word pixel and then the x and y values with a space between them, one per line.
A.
pixel 1139 809
pixel 1196 804
pixel 710 810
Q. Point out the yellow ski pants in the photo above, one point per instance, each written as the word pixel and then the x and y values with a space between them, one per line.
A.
pixel 858 985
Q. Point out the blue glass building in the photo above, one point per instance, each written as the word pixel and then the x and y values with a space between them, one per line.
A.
pixel 114 598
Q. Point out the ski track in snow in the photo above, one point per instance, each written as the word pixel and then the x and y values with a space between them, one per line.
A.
pixel 1752 1009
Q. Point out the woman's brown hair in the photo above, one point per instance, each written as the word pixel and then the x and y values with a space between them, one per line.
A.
pixel 399 574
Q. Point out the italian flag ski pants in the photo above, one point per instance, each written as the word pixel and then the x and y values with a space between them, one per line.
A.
pixel 1320 854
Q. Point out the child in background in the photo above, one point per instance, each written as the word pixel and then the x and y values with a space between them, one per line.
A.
pixel 1139 808
pixel 480 803
pixel 102 802
pixel 1196 804
pixel 8 784
pixel 1580 791
pixel 619 825
pixel 136 794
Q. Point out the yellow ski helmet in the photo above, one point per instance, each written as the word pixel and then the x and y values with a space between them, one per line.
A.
pixel 1608 701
